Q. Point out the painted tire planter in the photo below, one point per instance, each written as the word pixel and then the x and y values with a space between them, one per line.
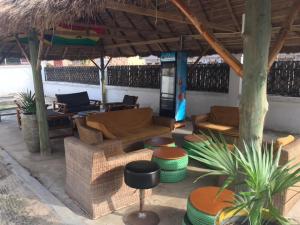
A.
pixel 157 142
pixel 203 206
pixel 178 164
pixel 173 162
pixel 186 220
pixel 30 132
pixel 172 176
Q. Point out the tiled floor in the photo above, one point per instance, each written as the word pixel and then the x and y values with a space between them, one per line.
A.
pixel 168 200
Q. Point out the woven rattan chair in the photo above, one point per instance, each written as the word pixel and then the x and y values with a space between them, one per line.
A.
pixel 94 175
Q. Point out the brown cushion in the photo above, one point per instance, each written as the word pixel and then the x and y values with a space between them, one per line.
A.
pixel 224 115
pixel 101 127
pixel 228 130
pixel 144 133
pixel 124 120
pixel 283 141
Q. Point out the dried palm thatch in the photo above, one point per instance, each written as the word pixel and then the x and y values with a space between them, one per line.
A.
pixel 134 27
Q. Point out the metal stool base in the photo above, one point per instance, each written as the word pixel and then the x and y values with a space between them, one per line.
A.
pixel 141 218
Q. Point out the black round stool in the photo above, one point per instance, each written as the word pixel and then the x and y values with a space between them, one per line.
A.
pixel 142 175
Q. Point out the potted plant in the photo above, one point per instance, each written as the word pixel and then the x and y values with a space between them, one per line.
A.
pixel 259 173
pixel 29 123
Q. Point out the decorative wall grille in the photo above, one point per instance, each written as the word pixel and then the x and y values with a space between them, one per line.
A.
pixel 284 79
pixel 73 74
pixel 209 77
pixel 205 77
pixel 134 76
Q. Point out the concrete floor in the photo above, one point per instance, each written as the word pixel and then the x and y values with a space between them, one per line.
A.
pixel 168 200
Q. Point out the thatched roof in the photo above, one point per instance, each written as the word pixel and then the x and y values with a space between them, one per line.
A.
pixel 131 27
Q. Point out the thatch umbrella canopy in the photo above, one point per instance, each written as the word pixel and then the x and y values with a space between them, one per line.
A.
pixel 130 27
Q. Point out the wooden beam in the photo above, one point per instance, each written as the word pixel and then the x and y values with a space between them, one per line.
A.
pixel 110 58
pixel 130 8
pixel 283 33
pixel 212 41
pixel 139 43
pixel 22 48
pixel 233 16
pixel 193 67
pixel 93 61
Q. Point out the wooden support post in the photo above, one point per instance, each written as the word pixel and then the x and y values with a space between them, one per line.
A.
pixel 41 114
pixel 283 33
pixel 102 69
pixel 254 104
pixel 212 41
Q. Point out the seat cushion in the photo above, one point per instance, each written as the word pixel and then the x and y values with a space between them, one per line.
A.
pixel 144 133
pixel 80 108
pixel 228 130
pixel 74 99
pixel 224 115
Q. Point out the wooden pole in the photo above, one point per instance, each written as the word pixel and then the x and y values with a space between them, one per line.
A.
pixel 254 104
pixel 212 41
pixel 22 49
pixel 103 87
pixel 41 114
pixel 283 33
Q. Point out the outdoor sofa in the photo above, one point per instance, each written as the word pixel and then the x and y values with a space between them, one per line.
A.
pixel 220 119
pixel 75 102
pixel 130 126
pixel 94 175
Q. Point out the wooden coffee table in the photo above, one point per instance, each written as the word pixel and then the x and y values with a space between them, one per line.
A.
pixel 156 142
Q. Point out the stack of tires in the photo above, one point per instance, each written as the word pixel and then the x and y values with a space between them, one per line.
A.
pixel 173 163
pixel 203 205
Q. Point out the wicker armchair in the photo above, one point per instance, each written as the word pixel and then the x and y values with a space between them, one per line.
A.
pixel 94 175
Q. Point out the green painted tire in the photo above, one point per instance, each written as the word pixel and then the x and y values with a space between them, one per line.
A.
pixel 199 218
pixel 186 220
pixel 172 176
pixel 176 164
pixel 190 147
pixel 156 147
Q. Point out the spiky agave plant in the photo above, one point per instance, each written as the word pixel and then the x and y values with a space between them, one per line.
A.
pixel 258 170
pixel 27 102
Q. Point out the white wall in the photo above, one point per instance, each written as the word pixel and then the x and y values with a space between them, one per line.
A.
pixel 15 79
pixel 283 114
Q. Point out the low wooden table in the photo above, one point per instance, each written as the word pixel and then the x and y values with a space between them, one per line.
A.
pixel 156 142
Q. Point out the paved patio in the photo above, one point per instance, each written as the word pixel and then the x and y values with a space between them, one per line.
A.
pixel 168 200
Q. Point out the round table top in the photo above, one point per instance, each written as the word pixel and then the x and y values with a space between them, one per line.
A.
pixel 195 138
pixel 204 199
pixel 159 141
pixel 169 153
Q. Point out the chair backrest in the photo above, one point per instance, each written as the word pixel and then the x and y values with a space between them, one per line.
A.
pixel 121 121
pixel 130 100
pixel 74 99
pixel 224 115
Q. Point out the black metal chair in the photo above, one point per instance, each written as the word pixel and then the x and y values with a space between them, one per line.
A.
pixel 129 102
pixel 142 175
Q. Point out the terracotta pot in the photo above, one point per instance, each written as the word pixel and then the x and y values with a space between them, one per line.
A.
pixel 30 132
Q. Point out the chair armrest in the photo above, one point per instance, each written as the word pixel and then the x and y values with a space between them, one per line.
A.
pixel 291 152
pixel 80 158
pixel 164 121
pixel 197 119
pixel 60 107
pixel 123 159
pixel 89 135
pixel 95 102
